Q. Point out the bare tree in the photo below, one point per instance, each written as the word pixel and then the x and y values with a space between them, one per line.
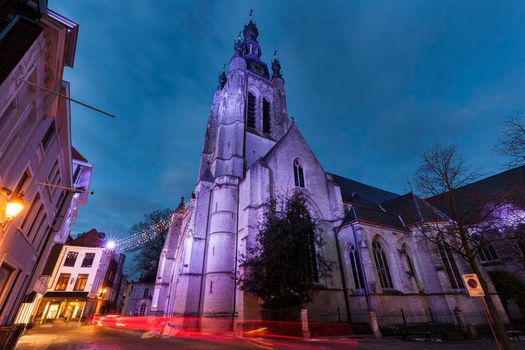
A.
pixel 472 218
pixel 512 142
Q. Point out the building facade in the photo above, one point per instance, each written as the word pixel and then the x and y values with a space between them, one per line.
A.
pixel 85 279
pixel 37 161
pixel 253 151
pixel 137 301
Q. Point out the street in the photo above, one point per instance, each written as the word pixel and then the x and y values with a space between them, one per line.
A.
pixel 91 337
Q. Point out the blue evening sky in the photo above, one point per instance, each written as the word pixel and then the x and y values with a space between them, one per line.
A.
pixel 371 84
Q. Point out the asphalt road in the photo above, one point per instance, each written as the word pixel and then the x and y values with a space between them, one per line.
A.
pixel 91 337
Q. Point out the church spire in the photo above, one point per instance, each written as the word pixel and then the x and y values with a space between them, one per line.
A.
pixel 276 66
pixel 248 48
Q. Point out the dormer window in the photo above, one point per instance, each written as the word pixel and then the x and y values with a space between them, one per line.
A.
pixel 298 173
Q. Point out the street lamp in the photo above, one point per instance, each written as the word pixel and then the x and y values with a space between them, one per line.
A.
pixel 9 208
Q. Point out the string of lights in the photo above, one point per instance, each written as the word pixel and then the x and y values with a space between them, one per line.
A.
pixel 138 239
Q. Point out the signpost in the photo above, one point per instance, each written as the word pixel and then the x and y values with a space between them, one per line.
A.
pixel 475 290
pixel 473 286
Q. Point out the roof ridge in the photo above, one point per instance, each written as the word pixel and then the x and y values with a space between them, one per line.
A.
pixel 364 184
pixel 493 175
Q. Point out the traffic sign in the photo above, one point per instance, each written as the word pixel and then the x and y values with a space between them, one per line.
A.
pixel 473 286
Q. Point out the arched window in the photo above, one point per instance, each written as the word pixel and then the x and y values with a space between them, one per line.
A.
pixel 298 173
pixel 355 264
pixel 488 253
pixel 381 264
pixel 410 265
pixel 250 118
pixel 450 266
pixel 267 124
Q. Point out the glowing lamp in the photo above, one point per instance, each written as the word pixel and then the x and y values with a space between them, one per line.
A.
pixel 13 207
pixel 110 245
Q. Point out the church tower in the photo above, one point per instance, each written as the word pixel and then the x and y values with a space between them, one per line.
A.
pixel 247 118
pixel 248 113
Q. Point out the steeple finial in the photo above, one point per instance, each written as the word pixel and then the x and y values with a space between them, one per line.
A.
pixel 276 66
pixel 251 14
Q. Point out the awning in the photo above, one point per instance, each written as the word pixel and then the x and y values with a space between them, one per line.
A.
pixel 59 295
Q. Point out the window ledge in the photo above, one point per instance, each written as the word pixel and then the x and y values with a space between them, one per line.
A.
pixel 392 292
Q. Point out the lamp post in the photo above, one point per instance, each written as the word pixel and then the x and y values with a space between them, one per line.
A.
pixel 9 207
pixel 101 295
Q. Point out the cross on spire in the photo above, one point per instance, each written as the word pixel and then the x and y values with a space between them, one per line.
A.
pixel 251 14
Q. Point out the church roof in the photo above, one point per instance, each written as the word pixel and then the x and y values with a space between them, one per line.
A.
pixel 268 154
pixel 374 216
pixel 377 206
pixel 362 194
pixel 502 188
pixel 413 209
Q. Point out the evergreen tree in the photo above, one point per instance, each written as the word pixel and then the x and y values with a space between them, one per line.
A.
pixel 286 263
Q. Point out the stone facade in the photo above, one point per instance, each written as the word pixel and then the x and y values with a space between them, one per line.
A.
pixel 137 299
pixel 251 152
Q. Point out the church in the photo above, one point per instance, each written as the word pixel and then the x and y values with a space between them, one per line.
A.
pixel 253 150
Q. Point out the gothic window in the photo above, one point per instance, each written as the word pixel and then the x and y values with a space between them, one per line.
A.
pixel 450 266
pixel 355 264
pixel 381 261
pixel 250 120
pixel 410 265
pixel 267 124
pixel 487 253
pixel 298 173
pixel 311 261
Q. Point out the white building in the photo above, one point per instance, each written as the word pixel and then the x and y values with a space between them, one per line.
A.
pixel 251 152
pixel 36 156
pixel 137 301
pixel 84 279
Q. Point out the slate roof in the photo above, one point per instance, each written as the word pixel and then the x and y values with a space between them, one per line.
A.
pixel 377 206
pixel 359 193
pixel 92 238
pixel 505 187
pixel 413 209
pixel 75 154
